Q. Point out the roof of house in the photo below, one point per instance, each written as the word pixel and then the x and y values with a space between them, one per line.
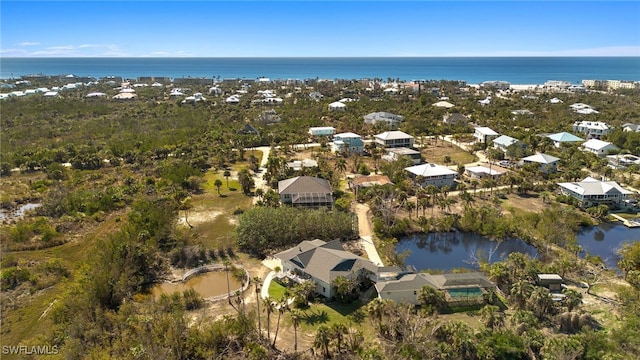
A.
pixel 429 170
pixel 632 127
pixel 592 125
pixel 564 137
pixel 383 115
pixel 485 131
pixel 413 281
pixel 321 128
pixel 304 184
pixel 596 144
pixel 505 140
pixel 482 170
pixel 406 282
pixel 393 135
pixel 444 104
pixel 591 186
pixel 324 261
pixel 337 104
pixel 461 280
pixel 347 135
pixel 304 163
pixel 456 117
pixel 541 158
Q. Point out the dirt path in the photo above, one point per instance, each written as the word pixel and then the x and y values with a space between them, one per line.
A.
pixel 366 234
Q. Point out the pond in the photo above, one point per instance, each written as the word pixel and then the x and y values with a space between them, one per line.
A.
pixel 18 212
pixel 209 284
pixel 447 251
pixel 605 240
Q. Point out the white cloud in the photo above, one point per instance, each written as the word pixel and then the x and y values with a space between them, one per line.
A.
pixel 29 43
pixel 82 50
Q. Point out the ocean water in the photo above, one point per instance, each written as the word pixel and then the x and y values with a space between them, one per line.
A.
pixel 517 70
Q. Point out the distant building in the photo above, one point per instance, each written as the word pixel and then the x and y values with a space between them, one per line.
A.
pixel 591 192
pixel 390 139
pixel 481 172
pixel 599 147
pixel 337 106
pixel 383 117
pixel 563 138
pixel 631 127
pixel 306 191
pixel 322 131
pixel 592 129
pixel 393 154
pixel 348 142
pixel 484 134
pixel 496 84
pixel 546 163
pixel 456 119
pixel 507 143
pixel 432 174
pixel 553 282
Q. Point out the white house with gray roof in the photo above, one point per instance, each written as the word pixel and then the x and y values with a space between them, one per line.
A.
pixel 468 287
pixel 591 192
pixel 383 117
pixel 592 129
pixel 306 191
pixel 432 174
pixel 392 139
pixel 322 262
pixel 484 134
pixel 599 147
pixel 546 163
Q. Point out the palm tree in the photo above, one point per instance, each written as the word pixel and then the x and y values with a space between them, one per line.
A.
pixel 431 297
pixel 218 185
pixel 295 319
pixel 281 306
pixel 376 309
pixel 540 301
pixel 322 340
pixel 258 285
pixel 268 305
pixel 338 330
pixel 341 165
pixel 433 191
pixel 520 291
pixel 572 299
pixel 492 317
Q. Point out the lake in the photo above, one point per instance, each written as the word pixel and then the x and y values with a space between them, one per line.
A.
pixel 209 284
pixel 606 239
pixel 447 251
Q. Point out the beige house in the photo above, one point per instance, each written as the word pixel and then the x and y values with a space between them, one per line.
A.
pixel 322 262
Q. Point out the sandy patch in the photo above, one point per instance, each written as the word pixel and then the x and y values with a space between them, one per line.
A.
pixel 197 217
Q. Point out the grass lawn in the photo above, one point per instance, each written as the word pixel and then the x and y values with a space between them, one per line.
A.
pixel 433 152
pixel 318 314
pixel 212 216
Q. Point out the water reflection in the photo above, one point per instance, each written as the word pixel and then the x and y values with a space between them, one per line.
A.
pixel 447 251
pixel 605 240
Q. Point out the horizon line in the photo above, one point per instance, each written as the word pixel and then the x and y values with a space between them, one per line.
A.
pixel 318 57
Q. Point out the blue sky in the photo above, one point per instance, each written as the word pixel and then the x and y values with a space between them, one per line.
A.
pixel 328 28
